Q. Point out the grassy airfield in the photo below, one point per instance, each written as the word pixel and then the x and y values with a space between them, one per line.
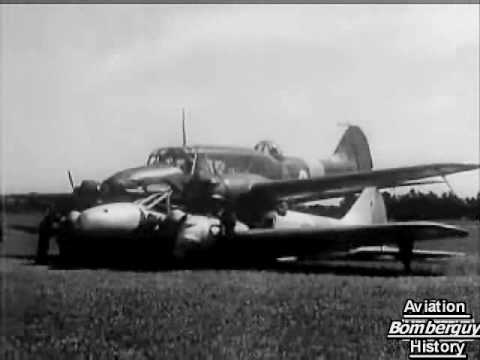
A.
pixel 338 310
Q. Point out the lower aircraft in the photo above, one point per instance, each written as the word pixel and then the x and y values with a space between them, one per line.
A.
pixel 135 229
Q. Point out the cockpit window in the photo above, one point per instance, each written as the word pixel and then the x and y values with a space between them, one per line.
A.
pixel 229 164
pixel 172 157
pixel 216 163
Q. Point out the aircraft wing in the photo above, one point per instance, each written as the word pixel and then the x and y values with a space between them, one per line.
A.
pixel 40 200
pixel 280 189
pixel 309 241
pixel 330 194
pixel 29 229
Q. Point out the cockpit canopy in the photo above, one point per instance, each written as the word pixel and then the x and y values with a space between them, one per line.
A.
pixel 269 148
pixel 216 161
pixel 175 157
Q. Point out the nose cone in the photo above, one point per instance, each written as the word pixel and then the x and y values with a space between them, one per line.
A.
pixel 109 219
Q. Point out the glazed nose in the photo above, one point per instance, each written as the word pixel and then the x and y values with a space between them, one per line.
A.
pixel 111 219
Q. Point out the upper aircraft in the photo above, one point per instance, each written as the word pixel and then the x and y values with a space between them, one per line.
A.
pixel 251 182
pixel 174 167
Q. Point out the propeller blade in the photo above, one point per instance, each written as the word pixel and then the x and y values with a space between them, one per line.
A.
pixel 70 179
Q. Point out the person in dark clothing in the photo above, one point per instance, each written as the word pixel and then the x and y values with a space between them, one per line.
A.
pixel 45 232
pixel 228 221
pixel 224 211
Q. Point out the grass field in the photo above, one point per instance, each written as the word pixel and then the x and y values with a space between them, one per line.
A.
pixel 324 311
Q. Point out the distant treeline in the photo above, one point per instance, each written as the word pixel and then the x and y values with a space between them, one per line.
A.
pixel 413 205
pixel 418 205
pixel 34 202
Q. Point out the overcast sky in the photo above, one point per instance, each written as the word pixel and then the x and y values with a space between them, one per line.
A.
pixel 94 88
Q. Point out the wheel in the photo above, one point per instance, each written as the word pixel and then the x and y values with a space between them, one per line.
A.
pixel 406 255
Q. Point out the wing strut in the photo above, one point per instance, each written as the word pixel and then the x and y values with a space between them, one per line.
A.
pixel 449 185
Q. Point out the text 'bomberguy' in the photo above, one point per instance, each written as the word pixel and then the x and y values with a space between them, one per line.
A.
pixel 435 329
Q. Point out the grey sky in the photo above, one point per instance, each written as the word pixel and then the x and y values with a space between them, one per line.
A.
pixel 94 88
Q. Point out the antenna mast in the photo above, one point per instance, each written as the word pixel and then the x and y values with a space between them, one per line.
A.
pixel 184 133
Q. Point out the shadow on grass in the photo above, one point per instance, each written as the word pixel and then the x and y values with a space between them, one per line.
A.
pixel 354 268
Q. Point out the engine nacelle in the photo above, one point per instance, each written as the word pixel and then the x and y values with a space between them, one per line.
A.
pixel 198 234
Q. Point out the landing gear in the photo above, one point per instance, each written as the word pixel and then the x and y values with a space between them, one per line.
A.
pixel 406 255
pixel 43 244
pixel 68 254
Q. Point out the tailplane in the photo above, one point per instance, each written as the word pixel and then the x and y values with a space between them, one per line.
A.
pixel 352 153
pixel 368 209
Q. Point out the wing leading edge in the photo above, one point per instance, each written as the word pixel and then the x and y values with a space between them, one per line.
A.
pixel 345 182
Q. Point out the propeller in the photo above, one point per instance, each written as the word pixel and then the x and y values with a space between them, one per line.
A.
pixel 70 179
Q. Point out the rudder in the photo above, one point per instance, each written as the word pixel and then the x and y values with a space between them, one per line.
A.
pixel 352 153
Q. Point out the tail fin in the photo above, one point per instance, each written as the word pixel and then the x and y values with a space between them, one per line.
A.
pixel 352 153
pixel 368 209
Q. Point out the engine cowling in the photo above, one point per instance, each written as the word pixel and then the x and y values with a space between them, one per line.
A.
pixel 198 234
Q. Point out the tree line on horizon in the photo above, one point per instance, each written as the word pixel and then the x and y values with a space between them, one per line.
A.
pixel 413 205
